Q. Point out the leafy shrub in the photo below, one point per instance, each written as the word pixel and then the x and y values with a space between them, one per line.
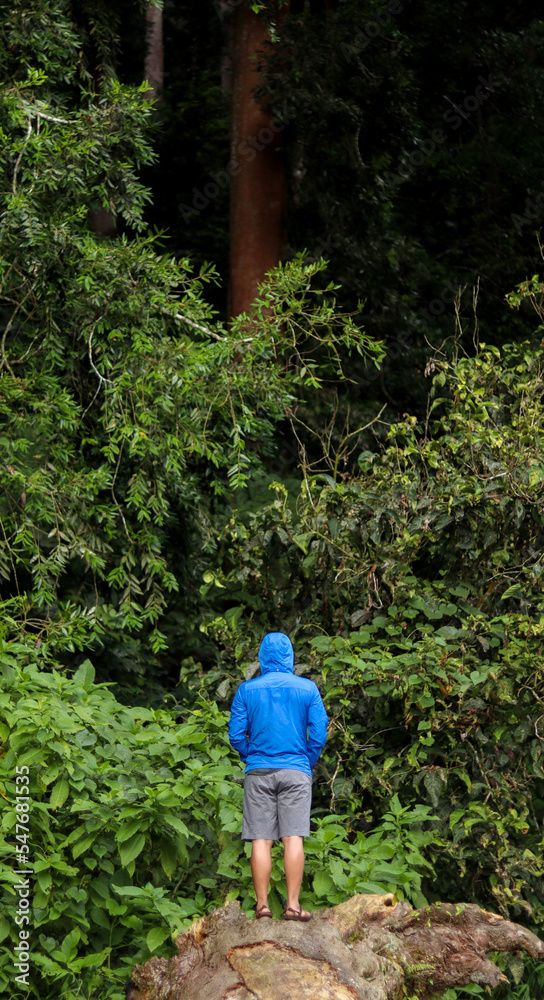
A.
pixel 421 711
pixel 413 593
pixel 128 809
pixel 134 830
pixel 127 409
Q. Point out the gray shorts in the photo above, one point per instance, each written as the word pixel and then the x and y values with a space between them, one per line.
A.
pixel 276 805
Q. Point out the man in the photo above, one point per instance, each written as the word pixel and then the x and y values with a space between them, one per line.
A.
pixel 278 725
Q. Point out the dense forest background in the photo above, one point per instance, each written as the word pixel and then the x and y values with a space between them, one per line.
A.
pixel 270 358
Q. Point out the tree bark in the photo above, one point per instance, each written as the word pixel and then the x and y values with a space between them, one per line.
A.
pixel 154 59
pixel 257 189
pixel 368 948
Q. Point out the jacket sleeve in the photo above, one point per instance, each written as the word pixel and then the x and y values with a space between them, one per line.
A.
pixel 238 725
pixel 317 728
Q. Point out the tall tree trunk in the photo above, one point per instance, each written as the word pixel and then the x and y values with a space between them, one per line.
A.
pixel 368 948
pixel 154 58
pixel 257 190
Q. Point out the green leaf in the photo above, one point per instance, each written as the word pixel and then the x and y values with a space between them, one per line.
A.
pixel 322 883
pixel 83 845
pixel 302 540
pixel 177 824
pixel 49 774
pixel 156 936
pixel 91 961
pixel 8 673
pixel 127 830
pixel 85 675
pixel 455 816
pixel 130 850
pixel 44 880
pixel 434 783
pixel 59 793
pixel 131 890
pixel 169 859
pixel 68 947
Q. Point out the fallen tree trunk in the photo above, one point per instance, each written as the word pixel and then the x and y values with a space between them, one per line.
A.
pixel 368 948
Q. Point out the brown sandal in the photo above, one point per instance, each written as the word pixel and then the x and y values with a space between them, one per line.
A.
pixel 297 914
pixel 259 913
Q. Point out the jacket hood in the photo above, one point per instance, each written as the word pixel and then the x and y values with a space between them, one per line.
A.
pixel 276 653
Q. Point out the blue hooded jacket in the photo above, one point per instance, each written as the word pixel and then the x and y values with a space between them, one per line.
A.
pixel 278 719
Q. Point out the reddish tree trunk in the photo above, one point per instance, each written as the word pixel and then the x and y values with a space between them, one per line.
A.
pixel 154 59
pixel 257 191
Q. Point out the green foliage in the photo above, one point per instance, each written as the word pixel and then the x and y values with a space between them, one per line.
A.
pixel 471 990
pixel 127 410
pixel 454 499
pixel 127 806
pixel 134 830
pixel 525 981
pixel 423 575
pixel 132 423
pixel 389 859
pixel 525 978
pixel 429 715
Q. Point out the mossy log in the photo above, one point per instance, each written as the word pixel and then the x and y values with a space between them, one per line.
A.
pixel 368 948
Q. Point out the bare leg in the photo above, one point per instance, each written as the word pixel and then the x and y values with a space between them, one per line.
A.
pixel 293 862
pixel 261 866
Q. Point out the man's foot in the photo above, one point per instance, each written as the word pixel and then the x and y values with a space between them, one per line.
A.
pixel 263 911
pixel 300 914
